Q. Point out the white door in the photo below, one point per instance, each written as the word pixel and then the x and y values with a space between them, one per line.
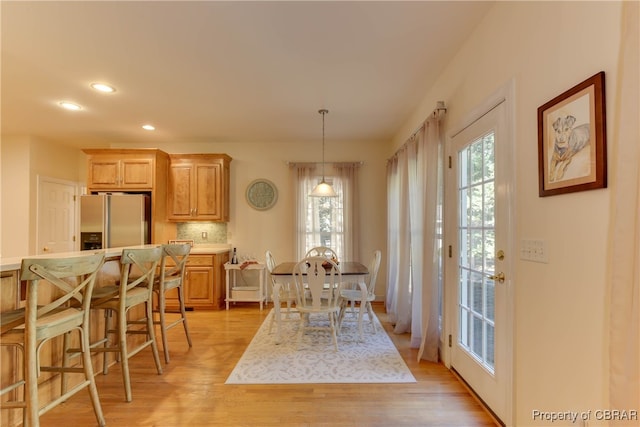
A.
pixel 479 264
pixel 56 216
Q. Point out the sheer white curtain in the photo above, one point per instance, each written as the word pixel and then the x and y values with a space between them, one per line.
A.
pixel 624 277
pixel 428 250
pixel 347 181
pixel 413 292
pixel 303 177
pixel 398 301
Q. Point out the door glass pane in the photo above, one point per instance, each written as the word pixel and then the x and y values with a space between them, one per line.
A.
pixel 476 233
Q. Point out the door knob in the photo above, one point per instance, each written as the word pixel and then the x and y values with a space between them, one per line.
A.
pixel 45 249
pixel 497 277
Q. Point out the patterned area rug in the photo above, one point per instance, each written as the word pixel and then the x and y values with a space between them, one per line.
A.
pixel 376 360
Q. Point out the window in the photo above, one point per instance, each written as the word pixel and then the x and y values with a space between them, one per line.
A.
pixel 327 221
pixel 324 223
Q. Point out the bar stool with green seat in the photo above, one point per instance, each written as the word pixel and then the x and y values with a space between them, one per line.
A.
pixel 137 271
pixel 73 280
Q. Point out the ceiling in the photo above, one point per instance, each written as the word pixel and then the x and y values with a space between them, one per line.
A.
pixel 209 71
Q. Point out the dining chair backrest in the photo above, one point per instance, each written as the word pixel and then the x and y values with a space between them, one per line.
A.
pixel 74 278
pixel 322 251
pixel 374 266
pixel 142 262
pixel 269 261
pixel 173 264
pixel 317 280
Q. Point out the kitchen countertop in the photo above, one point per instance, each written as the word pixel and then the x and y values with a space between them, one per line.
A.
pixel 13 263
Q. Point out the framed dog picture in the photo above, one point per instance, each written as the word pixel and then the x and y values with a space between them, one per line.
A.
pixel 572 148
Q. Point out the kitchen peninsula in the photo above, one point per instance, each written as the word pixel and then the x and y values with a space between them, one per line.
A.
pixel 207 269
pixel 205 274
pixel 207 281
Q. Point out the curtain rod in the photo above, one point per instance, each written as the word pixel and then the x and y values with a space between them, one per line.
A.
pixel 289 162
pixel 437 112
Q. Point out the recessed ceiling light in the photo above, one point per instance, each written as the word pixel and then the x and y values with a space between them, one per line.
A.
pixel 69 105
pixel 148 127
pixel 103 87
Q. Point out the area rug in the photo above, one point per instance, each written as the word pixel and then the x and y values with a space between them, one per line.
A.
pixel 374 360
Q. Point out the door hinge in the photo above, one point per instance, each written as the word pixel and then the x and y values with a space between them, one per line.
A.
pixel 450 339
pixel 74 197
pixel 73 238
pixel 449 162
pixel 450 252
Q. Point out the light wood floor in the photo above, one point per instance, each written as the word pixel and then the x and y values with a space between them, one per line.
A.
pixel 191 392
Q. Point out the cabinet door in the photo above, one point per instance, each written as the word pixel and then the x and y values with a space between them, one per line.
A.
pixel 180 189
pixel 104 172
pixel 111 173
pixel 199 289
pixel 208 195
pixel 136 173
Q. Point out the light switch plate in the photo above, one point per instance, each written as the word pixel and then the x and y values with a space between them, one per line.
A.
pixel 534 250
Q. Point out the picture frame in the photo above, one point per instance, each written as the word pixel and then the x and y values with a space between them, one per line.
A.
pixel 261 194
pixel 572 147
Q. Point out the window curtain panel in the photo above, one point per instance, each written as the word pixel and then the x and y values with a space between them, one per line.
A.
pixel 347 181
pixel 303 181
pixel 428 153
pixel 413 260
pixel 624 277
pixel 398 299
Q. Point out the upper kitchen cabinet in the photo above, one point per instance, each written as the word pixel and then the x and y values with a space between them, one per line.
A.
pixel 124 169
pixel 137 170
pixel 198 187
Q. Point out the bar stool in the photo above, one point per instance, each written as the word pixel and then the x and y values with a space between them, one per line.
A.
pixel 171 277
pixel 133 290
pixel 73 281
pixel 8 321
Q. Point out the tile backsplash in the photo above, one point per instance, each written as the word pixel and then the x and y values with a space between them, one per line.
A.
pixel 202 232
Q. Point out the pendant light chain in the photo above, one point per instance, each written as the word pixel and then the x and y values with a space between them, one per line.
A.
pixel 323 112
pixel 323 189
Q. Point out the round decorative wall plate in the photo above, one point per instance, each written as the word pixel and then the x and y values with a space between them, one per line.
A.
pixel 261 194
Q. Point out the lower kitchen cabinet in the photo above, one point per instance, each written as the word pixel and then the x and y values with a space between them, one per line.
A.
pixel 204 285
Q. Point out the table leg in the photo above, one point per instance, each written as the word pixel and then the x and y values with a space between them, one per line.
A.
pixel 276 311
pixel 227 285
pixel 261 288
pixel 363 289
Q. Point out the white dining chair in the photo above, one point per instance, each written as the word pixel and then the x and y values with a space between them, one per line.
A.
pixel 322 251
pixel 362 295
pixel 317 282
pixel 280 293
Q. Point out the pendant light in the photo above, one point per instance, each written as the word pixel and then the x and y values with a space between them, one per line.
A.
pixel 323 189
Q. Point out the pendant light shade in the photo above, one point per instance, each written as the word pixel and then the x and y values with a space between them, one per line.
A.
pixel 323 189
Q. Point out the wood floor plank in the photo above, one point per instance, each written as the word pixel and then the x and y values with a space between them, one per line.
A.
pixel 191 391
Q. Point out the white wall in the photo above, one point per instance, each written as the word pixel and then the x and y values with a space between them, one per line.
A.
pixel 15 199
pixel 23 159
pixel 561 315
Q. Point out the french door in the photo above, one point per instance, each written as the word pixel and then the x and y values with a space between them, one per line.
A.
pixel 479 266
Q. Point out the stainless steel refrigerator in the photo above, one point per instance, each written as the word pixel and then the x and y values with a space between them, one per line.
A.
pixel 114 220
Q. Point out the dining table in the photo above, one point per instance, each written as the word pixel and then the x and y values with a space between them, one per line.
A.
pixel 351 271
